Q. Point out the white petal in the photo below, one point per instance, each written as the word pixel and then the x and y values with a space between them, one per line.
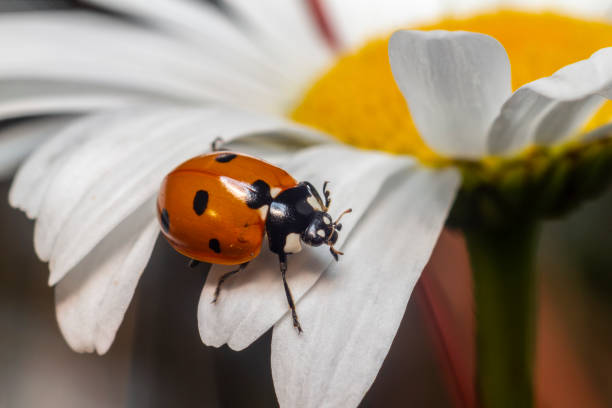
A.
pixel 578 80
pixel 351 315
pixel 206 27
pixel 109 176
pixel 564 119
pixel 288 31
pixel 598 9
pixel 18 139
pixel 454 83
pixel 357 21
pixel 91 301
pixel 472 7
pixel 587 8
pixel 80 169
pixel 35 175
pixel 251 302
pixel 550 109
pixel 199 18
pixel 85 47
pixel 33 97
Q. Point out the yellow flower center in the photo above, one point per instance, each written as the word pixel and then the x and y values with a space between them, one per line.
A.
pixel 358 102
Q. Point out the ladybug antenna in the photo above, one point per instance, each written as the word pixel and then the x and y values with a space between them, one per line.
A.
pixel 337 226
pixel 342 215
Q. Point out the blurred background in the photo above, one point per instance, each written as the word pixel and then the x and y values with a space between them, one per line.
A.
pixel 158 360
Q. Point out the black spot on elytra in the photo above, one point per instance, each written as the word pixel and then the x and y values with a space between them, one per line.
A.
pixel 225 157
pixel 200 201
pixel 165 220
pixel 214 245
pixel 258 195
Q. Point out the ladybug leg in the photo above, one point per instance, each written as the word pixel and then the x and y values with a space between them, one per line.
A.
pixel 315 194
pixel 224 277
pixel 283 268
pixel 327 196
pixel 215 146
pixel 193 263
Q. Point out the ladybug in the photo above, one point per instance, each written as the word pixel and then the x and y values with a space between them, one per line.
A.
pixel 217 207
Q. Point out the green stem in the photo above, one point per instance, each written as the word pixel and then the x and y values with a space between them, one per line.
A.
pixel 505 295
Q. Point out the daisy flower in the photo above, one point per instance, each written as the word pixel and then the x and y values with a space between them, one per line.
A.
pixel 128 99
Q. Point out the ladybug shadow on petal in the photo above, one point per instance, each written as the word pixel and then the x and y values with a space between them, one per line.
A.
pixel 261 278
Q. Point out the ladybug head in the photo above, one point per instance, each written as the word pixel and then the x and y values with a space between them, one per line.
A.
pixel 322 230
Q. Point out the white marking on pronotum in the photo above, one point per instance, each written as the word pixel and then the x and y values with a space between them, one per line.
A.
pixel 314 203
pixel 274 192
pixel 292 244
pixel 263 212
pixel 321 233
pixel 326 221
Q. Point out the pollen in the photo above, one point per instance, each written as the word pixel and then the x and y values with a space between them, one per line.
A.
pixel 358 102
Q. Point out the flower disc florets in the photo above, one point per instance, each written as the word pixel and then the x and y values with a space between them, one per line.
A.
pixel 358 102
